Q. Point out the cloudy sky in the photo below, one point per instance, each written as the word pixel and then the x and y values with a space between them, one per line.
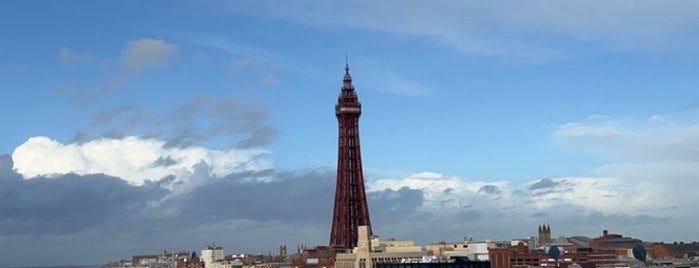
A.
pixel 134 127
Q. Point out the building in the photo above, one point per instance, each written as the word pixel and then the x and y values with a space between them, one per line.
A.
pixel 162 260
pixel 318 257
pixel 364 256
pixel 470 249
pixel 350 210
pixel 191 261
pixel 211 254
pixel 371 252
pixel 452 263
pixel 544 234
pixel 621 245
pixel 282 251
pixel 673 250
pixel 520 255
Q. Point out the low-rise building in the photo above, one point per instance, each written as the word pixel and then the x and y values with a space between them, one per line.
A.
pixel 211 254
pixel 473 250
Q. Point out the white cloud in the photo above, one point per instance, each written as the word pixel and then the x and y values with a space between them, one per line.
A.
pixel 132 159
pixel 605 195
pixel 145 53
pixel 654 159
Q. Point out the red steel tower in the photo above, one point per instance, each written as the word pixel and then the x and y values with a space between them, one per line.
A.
pixel 351 208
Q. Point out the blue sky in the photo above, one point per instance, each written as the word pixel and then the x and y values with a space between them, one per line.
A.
pixel 470 94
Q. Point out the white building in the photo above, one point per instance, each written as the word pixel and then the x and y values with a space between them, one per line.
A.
pixel 471 249
pixel 211 253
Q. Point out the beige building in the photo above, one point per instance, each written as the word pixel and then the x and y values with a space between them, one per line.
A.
pixel 211 254
pixel 370 251
pixel 470 249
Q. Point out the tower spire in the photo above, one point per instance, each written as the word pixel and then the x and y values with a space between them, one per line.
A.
pixel 347 87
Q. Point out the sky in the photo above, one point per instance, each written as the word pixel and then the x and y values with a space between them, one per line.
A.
pixel 133 127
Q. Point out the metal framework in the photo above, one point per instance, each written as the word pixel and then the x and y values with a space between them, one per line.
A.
pixel 351 208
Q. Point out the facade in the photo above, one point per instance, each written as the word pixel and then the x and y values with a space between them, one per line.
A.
pixel 192 261
pixel 282 251
pixel 318 257
pixel 521 255
pixel 472 250
pixel 374 253
pixel 350 210
pixel 454 263
pixel 211 253
pixel 673 250
pixel 363 256
pixel 544 234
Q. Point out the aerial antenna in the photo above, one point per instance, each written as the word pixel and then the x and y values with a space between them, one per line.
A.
pixel 463 221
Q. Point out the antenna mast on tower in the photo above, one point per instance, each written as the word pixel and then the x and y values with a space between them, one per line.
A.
pixel 463 221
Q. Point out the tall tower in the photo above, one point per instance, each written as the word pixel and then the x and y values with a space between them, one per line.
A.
pixel 544 234
pixel 351 208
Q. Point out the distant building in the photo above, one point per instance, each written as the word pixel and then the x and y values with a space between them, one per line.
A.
pixel 621 245
pixel 371 252
pixel 673 250
pixel 457 262
pixel 144 260
pixel 191 261
pixel 364 256
pixel 522 256
pixel 473 250
pixel 318 257
pixel 544 234
pixel 211 253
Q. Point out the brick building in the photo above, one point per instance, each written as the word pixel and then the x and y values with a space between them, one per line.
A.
pixel 192 261
pixel 521 255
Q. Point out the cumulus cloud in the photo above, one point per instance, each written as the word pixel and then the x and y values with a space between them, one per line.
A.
pixel 598 195
pixel 133 159
pixel 653 165
pixel 267 207
pixel 490 209
pixel 214 197
pixel 203 195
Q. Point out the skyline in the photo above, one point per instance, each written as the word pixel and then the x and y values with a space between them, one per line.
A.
pixel 187 117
